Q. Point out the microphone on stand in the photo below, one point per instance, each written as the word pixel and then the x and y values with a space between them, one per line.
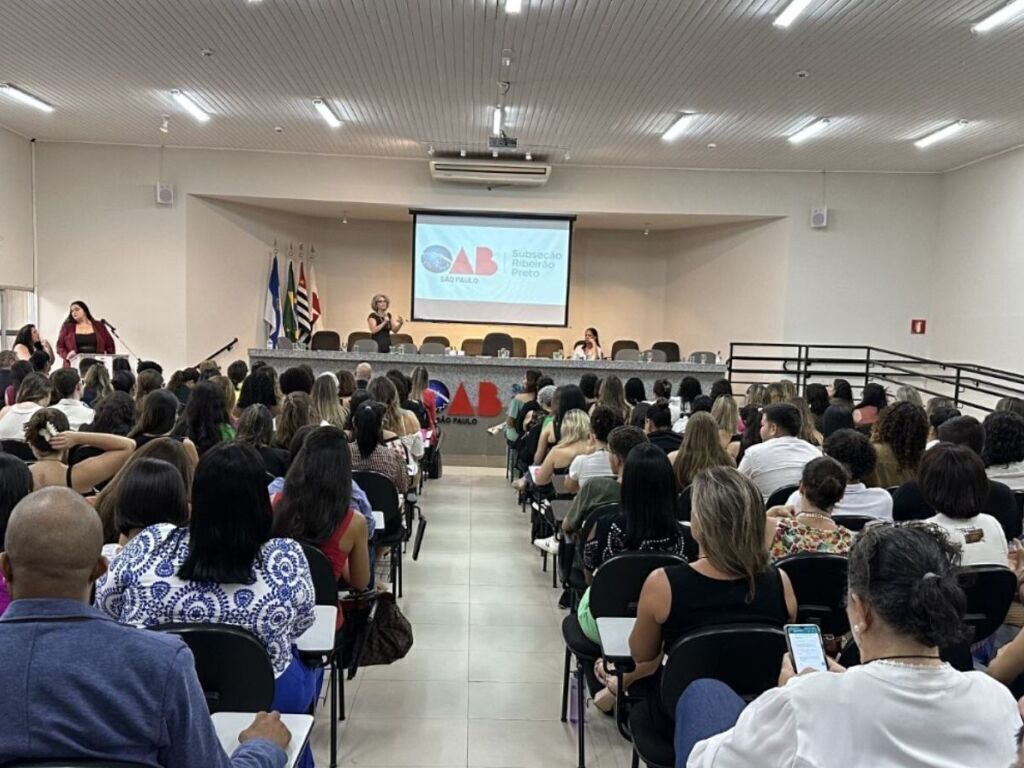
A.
pixel 107 323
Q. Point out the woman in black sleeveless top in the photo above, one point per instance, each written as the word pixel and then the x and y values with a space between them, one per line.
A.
pixel 380 322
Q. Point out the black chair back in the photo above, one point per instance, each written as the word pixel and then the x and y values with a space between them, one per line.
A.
pixel 746 657
pixel 1018 496
pixel 683 505
pixel 431 348
pixel 851 521
pixel 325 586
pixel 780 495
pixel 18 448
pixel 473 347
pixel 819 582
pixel 548 347
pixel 618 581
pixel 383 497
pixel 495 341
pixel 442 340
pixel 401 338
pixel 623 344
pixel 326 340
pixel 233 667
pixel 690 546
pixel 356 336
pixel 670 348
pixel 990 590
pixel 518 347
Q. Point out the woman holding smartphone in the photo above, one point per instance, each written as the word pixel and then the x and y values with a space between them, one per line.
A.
pixel 901 706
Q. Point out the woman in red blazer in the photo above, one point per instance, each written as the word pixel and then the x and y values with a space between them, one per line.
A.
pixel 82 334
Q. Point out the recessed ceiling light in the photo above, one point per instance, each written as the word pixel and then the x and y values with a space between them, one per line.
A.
pixel 941 134
pixel 1001 16
pixel 24 97
pixel 278 129
pixel 513 6
pixel 462 153
pixel 496 121
pixel 676 129
pixel 165 123
pixel 430 150
pixel 494 154
pixel 326 113
pixel 792 11
pixel 811 129
pixel 712 145
pixel 529 156
pixel 567 157
pixel 186 102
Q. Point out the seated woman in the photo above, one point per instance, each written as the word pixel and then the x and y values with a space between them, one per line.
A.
pixel 899 437
pixel 751 434
pixel 204 421
pixel 727 416
pixel 326 404
pixel 149 381
pixel 224 567
pixel 901 706
pixel 421 393
pixel 258 389
pixel 316 507
pixel 733 582
pixel 369 454
pixel 256 428
pixel 576 441
pixel 397 420
pixel 157 419
pixel 567 398
pixel 808 428
pixel 953 483
pixel 28 342
pixel 346 388
pixel 15 484
pixel 96 383
pixel 48 436
pixel 149 492
pixel 873 401
pixel 590 347
pixel 635 391
pixel 841 393
pixel 818 402
pixel 296 412
pixel 836 417
pixel 403 386
pixel 34 393
pixel 1004 449
pixel 515 405
pixel 612 394
pixel 810 528
pixel 701 449
pixel 113 414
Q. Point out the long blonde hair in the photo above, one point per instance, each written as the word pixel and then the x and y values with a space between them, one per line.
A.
pixel 729 522
pixel 808 430
pixel 575 427
pixel 326 403
pixel 701 449
pixel 382 389
pixel 726 414
pixel 613 395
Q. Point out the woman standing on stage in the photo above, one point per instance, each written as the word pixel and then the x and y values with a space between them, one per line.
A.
pixel 381 323
pixel 82 334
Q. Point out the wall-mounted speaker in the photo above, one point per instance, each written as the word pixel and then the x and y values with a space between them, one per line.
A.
pixel 819 218
pixel 164 194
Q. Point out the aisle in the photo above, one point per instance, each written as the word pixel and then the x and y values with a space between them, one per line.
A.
pixel 482 684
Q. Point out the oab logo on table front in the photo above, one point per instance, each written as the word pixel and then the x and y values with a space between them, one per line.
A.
pixel 460 409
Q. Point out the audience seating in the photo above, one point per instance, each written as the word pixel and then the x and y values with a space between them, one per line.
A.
pixel 656 355
pixel 473 347
pixel 364 346
pixel 401 338
pixel 745 657
pixel 780 496
pixel 495 341
pixel 442 340
pixel 18 448
pixel 383 497
pixel 628 354
pixel 431 348
pixel 518 347
pixel 325 589
pixel 326 340
pixel 356 336
pixel 615 591
pixel 232 665
pixel 702 358
pixel 852 521
pixel 690 546
pixel 683 505
pixel 548 347
pixel 623 344
pixel 819 582
pixel 670 348
pixel 990 590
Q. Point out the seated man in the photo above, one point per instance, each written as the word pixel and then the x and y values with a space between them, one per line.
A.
pixel 78 686
pixel 364 372
pixel 588 466
pixel 779 459
pixel 68 387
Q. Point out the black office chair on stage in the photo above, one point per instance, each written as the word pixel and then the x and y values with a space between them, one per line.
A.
pixel 670 348
pixel 329 341
pixel 495 341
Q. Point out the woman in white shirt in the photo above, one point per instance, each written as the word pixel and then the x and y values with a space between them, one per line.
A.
pixel 1004 449
pixel 953 483
pixel 33 394
pixel 590 347
pixel 902 707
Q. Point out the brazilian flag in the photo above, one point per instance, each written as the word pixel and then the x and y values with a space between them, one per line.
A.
pixel 291 327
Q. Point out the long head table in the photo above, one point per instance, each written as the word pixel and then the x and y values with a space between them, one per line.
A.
pixel 479 388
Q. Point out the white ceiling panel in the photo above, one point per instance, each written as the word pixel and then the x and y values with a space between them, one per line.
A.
pixel 597 79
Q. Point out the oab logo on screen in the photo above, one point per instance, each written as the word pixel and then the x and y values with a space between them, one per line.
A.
pixel 439 260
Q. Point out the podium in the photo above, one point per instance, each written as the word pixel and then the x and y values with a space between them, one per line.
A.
pixel 106 360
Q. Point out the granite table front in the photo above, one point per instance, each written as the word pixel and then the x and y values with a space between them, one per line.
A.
pixel 476 390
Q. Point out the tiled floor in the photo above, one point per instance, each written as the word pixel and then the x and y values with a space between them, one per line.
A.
pixel 482 684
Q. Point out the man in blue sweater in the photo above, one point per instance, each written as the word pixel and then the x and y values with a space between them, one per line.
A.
pixel 78 686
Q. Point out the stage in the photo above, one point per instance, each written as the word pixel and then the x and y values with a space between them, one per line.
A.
pixel 479 388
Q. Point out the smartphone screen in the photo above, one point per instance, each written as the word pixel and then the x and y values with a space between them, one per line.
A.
pixel 805 647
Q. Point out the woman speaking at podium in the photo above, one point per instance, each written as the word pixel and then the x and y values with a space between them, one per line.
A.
pixel 381 323
pixel 82 334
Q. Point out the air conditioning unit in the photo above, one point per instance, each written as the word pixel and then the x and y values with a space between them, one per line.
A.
pixel 490 174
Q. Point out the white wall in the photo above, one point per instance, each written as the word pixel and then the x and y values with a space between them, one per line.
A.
pixel 180 281
pixel 15 211
pixel 979 265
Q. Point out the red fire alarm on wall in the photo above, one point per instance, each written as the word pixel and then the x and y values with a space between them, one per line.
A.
pixel 917 327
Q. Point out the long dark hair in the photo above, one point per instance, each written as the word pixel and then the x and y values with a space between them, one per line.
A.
pixel 114 415
pixel 204 415
pixel 85 308
pixel 256 426
pixel 841 390
pixel 25 337
pixel 15 485
pixel 873 394
pixel 159 412
pixel 366 423
pixel 152 491
pixel 635 391
pixel 568 398
pixel 231 516
pixel 317 488
pixel 817 398
pixel 258 388
pixel 648 495
pixel 597 337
